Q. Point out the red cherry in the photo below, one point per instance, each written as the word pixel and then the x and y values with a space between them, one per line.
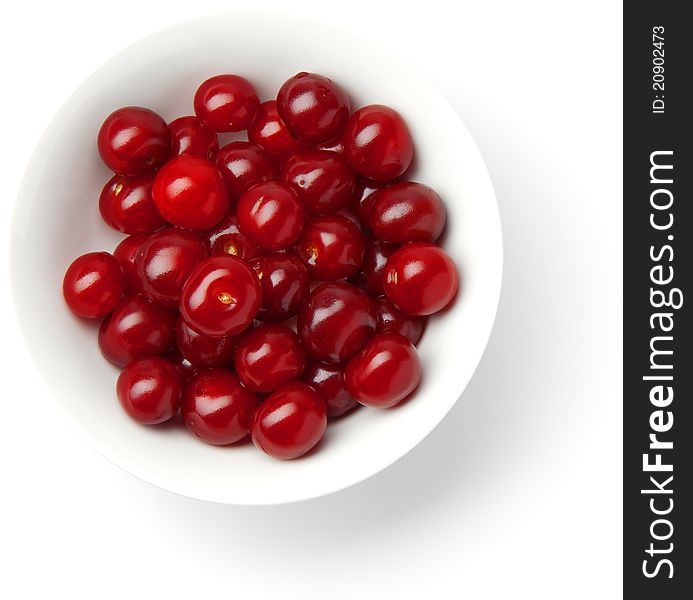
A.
pixel 324 181
pixel 125 254
pixel 226 238
pixel 136 328
pixel 190 136
pixel 216 408
pixel 328 381
pixel 244 165
pixel 149 389
pixel 374 259
pixel 331 247
pixel 285 284
pixel 133 141
pixel 385 372
pixel 203 350
pixel 407 212
pixel 126 204
pixel 93 284
pixel 314 108
pixel 377 143
pixel 290 422
pixel 164 262
pixel 271 215
pixel 268 357
pixel 420 279
pixel 190 192
pixel 271 133
pixel 336 321
pixel 336 145
pixel 393 320
pixel 185 368
pixel 226 103
pixel 221 297
pixel 362 199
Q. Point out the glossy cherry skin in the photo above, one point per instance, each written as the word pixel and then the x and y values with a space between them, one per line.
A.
pixel 226 103
pixel 185 368
pixel 328 381
pixel 377 143
pixel 324 181
pixel 126 205
pixel 336 321
pixel 271 133
pixel 93 284
pixel 221 297
pixel 393 320
pixel 203 350
pixel 268 357
pixel 331 247
pixel 190 192
pixel 314 108
pixel 190 136
pixel 336 145
pixel 271 215
pixel 407 212
pixel 149 389
pixel 164 262
pixel 244 165
pixel 216 408
pixel 290 422
pixel 374 259
pixel 134 141
pixel 362 199
pixel 385 372
pixel 226 238
pixel 285 284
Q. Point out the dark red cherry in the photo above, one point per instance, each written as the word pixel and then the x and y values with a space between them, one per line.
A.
pixel 420 279
pixel 271 133
pixel 336 321
pixel 203 350
pixel 324 181
pixel 268 357
pixel 136 328
pixel 221 297
pixel 190 136
pixel 185 368
pixel 374 259
pixel 164 262
pixel 216 408
pixel 271 215
pixel 149 389
pixel 377 143
pixel 93 284
pixel 226 103
pixel 362 199
pixel 133 141
pixel 328 381
pixel 126 204
pixel 393 320
pixel 314 108
pixel 285 284
pixel 331 247
pixel 244 165
pixel 125 253
pixel 290 422
pixel 189 192
pixel 385 372
pixel 226 238
pixel 407 212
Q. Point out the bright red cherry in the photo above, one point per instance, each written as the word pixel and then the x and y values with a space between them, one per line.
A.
pixel 226 103
pixel 133 141
pixel 285 284
pixel 190 136
pixel 336 321
pixel 185 368
pixel 362 199
pixel 328 381
pixel 93 284
pixel 149 389
pixel 393 320
pixel 385 372
pixel 125 253
pixel 216 408
pixel 271 133
pixel 377 143
pixel 268 357
pixel 271 215
pixel 164 262
pixel 374 259
pixel 126 204
pixel 226 238
pixel 189 192
pixel 314 108
pixel 136 328
pixel 203 350
pixel 420 279
pixel 221 297
pixel 244 165
pixel 290 422
pixel 324 181
pixel 331 247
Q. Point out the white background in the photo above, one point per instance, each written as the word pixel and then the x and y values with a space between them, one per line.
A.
pixel 517 493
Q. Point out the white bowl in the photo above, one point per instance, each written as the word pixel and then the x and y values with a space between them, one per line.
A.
pixel 57 218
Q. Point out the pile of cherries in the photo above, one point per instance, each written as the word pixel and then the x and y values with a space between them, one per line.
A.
pixel 269 284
